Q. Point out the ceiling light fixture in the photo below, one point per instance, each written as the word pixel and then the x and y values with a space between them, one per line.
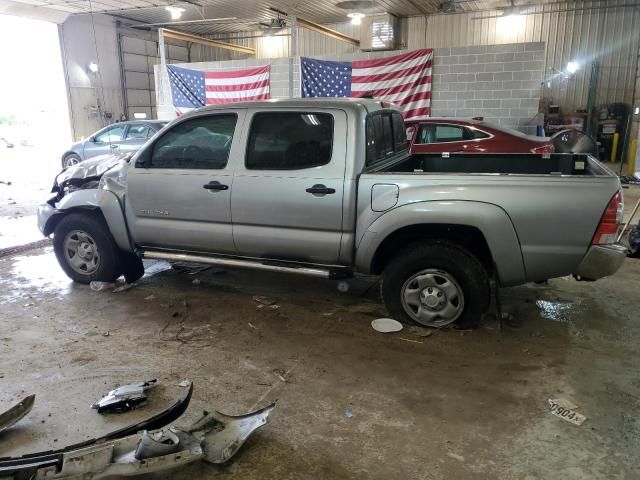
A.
pixel 93 67
pixel 356 17
pixel 572 67
pixel 176 12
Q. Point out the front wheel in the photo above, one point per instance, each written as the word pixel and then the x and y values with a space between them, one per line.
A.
pixel 436 284
pixel 85 250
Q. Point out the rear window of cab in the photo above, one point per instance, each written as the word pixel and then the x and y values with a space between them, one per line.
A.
pixel 385 136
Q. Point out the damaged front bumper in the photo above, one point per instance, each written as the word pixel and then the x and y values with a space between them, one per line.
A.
pixel 45 212
pixel 215 439
pixel 601 261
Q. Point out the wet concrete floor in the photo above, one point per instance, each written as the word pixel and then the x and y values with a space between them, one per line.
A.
pixel 454 405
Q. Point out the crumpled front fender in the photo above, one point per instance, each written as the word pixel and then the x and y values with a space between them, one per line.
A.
pixel 107 202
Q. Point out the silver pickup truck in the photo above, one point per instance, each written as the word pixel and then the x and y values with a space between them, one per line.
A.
pixel 327 188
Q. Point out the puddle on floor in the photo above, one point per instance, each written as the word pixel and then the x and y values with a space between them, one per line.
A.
pixel 40 271
pixel 556 311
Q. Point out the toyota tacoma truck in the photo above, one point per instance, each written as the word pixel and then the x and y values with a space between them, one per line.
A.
pixel 327 187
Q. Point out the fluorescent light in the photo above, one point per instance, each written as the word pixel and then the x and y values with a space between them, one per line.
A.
pixel 93 67
pixel 176 12
pixel 140 116
pixel 356 17
pixel 572 67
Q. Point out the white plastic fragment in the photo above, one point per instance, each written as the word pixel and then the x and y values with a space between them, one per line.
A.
pixel 386 325
pixel 565 413
pixel 99 286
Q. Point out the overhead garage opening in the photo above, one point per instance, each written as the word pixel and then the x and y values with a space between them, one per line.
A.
pixel 34 123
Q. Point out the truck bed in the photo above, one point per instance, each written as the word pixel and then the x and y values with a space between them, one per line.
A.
pixel 553 202
pixel 500 163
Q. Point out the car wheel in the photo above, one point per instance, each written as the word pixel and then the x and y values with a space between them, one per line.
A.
pixel 71 159
pixel 436 284
pixel 85 250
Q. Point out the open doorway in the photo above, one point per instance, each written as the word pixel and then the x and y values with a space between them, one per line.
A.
pixel 34 123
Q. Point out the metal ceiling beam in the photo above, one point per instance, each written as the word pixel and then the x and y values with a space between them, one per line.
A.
pixel 187 37
pixel 315 27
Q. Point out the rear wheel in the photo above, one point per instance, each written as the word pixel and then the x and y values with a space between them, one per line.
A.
pixel 71 159
pixel 435 285
pixel 85 250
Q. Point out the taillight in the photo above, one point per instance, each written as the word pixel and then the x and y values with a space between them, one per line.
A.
pixel 607 230
pixel 547 148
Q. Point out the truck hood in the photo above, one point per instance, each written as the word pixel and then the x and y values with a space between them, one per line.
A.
pixel 105 171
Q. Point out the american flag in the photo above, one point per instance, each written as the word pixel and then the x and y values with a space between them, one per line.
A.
pixel 402 79
pixel 194 88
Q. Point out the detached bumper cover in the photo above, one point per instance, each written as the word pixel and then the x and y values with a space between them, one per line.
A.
pixel 601 261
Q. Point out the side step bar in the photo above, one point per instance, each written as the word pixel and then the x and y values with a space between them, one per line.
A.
pixel 270 266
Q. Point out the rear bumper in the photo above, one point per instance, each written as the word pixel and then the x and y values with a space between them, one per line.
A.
pixel 601 261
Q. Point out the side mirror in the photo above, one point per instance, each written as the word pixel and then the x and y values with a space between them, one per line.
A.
pixel 144 158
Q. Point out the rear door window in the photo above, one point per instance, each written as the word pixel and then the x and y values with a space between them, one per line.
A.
pixel 449 133
pixel 137 132
pixel 475 134
pixel 112 134
pixel 289 140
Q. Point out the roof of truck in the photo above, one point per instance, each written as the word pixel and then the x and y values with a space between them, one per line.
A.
pixel 368 103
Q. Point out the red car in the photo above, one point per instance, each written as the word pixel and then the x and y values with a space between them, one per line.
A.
pixel 435 135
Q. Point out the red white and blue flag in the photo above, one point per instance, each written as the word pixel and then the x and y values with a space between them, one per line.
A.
pixel 195 88
pixel 404 80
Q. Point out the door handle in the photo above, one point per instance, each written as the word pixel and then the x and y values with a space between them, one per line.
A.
pixel 215 186
pixel 320 189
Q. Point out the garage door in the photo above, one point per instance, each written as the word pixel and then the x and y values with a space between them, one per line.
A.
pixel 138 58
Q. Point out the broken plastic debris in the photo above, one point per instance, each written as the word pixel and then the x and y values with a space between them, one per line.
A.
pixel 150 297
pixel 16 413
pixel 348 413
pixel 565 410
pixel 124 287
pixel 185 383
pixel 99 286
pixel 421 331
pixel 214 439
pixel 263 300
pixel 386 325
pixel 124 398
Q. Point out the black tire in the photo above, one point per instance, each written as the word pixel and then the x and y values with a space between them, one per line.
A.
pixel 70 159
pixel 108 268
pixel 456 261
pixel 634 242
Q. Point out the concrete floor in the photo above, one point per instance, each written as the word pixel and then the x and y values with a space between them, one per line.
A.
pixel 457 404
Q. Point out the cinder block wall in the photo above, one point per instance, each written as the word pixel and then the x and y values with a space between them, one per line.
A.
pixel 500 82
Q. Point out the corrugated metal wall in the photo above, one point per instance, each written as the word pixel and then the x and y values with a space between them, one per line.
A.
pixel 309 43
pixel 611 35
pixel 571 31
